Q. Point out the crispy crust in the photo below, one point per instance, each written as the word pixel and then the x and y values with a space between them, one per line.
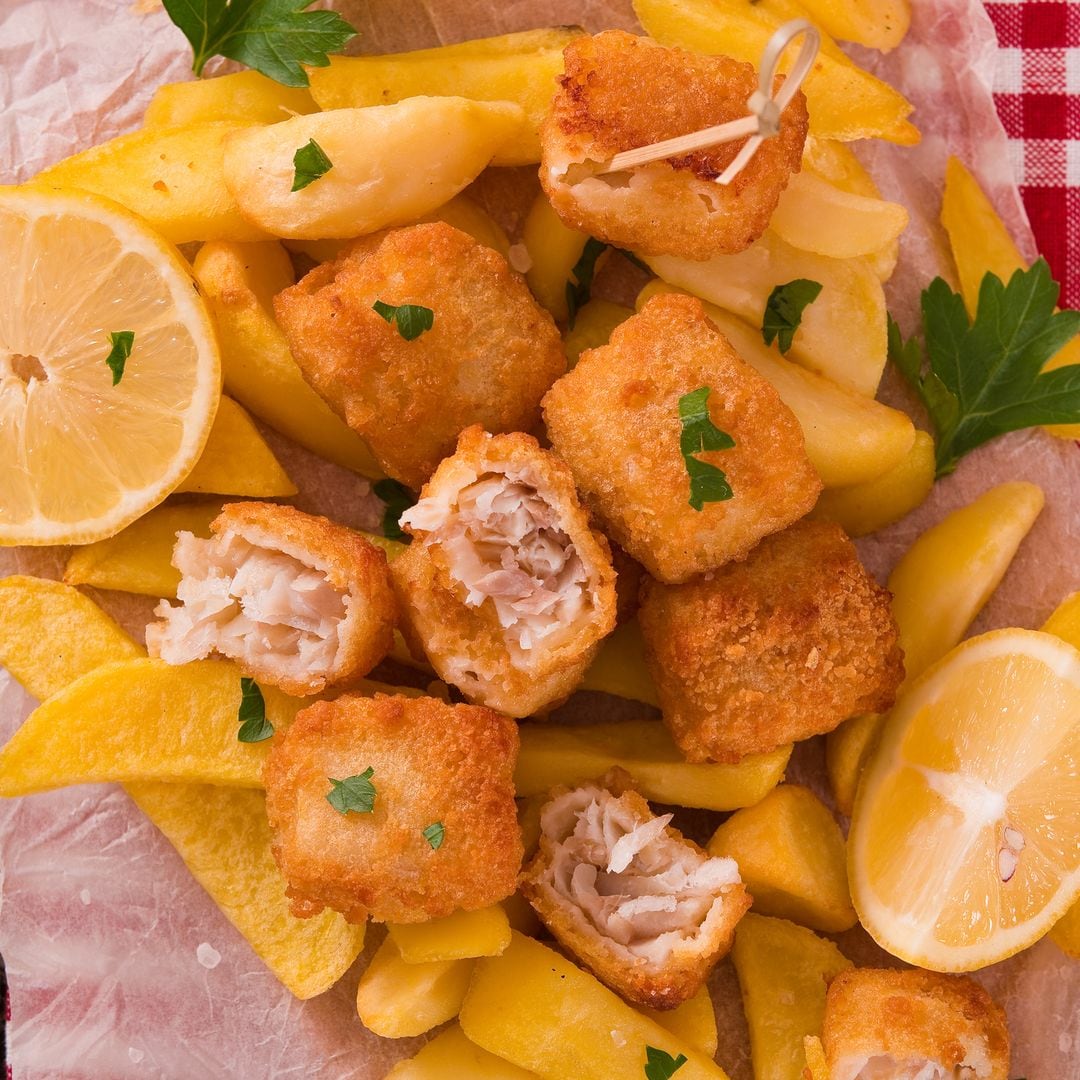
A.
pixel 615 420
pixel 780 647
pixel 620 92
pixel 432 762
pixel 488 358
pixel 913 1014
pixel 439 624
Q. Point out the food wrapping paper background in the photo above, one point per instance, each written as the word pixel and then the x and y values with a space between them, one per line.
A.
pixel 119 965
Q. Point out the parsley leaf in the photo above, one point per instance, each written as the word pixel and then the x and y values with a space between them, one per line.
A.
pixel 275 37
pixel 122 342
pixel 660 1065
pixel 412 319
pixel 434 835
pixel 579 287
pixel 398 499
pixel 309 162
pixel 983 377
pixel 254 727
pixel 784 310
pixel 707 482
pixel 355 793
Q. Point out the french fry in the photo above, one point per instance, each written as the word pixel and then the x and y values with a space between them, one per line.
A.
pixel 244 96
pixel 535 1008
pixel 619 667
pixel 554 249
pixel 554 754
pixel 519 67
pixel 450 1056
pixel 373 181
pixel 694 1021
pixel 878 24
pixel 592 327
pixel 238 282
pixel 850 438
pixel 236 460
pixel 171 176
pixel 461 936
pixel 398 1000
pixel 817 1067
pixel 845 101
pixel 846 751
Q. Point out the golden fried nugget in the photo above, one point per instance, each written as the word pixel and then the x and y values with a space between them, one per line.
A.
pixel 489 356
pixel 615 420
pixel 646 910
pixel 780 647
pixel 506 588
pixel 913 1024
pixel 295 600
pixel 431 763
pixel 621 92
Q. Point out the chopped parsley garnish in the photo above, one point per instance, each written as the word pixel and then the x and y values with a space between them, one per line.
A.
pixel 254 727
pixel 707 482
pixel 275 37
pixel 579 287
pixel 660 1065
pixel 122 341
pixel 412 319
pixel 434 835
pixel 355 793
pixel 398 499
pixel 983 377
pixel 310 162
pixel 784 311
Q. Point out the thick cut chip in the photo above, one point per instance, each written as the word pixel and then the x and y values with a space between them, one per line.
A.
pixel 243 97
pixel 693 1021
pixel 461 936
pixel 451 1056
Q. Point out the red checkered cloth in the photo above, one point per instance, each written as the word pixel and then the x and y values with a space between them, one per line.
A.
pixel 1037 91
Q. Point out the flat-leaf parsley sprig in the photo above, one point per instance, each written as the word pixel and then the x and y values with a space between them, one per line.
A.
pixel 983 377
pixel 699 433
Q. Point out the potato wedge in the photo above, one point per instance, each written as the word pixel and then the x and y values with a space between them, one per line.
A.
pixel 593 326
pixel 554 249
pixel 238 282
pixel 845 101
pixel 878 24
pixel 518 67
pixel 553 754
pixel 694 1021
pixel 535 1008
pixel 842 335
pixel 450 1056
pixel 236 460
pixel 460 936
pixel 847 749
pixel 244 96
pixel 836 162
pixel 171 176
pixel 390 164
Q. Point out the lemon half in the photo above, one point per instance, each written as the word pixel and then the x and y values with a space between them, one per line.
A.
pixel 80 458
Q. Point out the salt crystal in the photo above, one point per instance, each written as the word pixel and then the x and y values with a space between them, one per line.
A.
pixel 208 956
pixel 519 258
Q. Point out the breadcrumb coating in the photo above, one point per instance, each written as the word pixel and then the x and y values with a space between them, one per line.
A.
pixel 620 92
pixel 777 648
pixel 614 419
pixel 489 356
pixel 432 762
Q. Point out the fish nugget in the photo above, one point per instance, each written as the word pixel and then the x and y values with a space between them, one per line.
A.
pixel 408 763
pixel 506 588
pixel 913 1024
pixel 487 359
pixel 295 600
pixel 615 420
pixel 620 92
pixel 646 910
pixel 780 647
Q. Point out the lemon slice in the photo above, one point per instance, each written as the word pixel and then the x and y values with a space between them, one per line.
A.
pixel 80 458
pixel 963 846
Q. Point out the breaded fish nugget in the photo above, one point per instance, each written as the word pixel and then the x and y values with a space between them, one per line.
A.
pixel 646 910
pixel 489 356
pixel 295 600
pixel 913 1025
pixel 620 92
pixel 780 647
pixel 506 588
pixel 615 420
pixel 431 763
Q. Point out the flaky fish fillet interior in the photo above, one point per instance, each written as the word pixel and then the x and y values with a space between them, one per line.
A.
pixel 647 910
pixel 295 600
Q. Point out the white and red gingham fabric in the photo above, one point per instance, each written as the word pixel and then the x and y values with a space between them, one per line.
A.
pixel 1037 91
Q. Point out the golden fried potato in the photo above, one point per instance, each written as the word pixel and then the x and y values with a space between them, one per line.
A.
pixel 780 647
pixel 506 588
pixel 621 92
pixel 919 1022
pixel 488 358
pixel 297 601
pixel 431 763
pixel 615 420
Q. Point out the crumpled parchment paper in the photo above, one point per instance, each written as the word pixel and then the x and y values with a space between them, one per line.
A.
pixel 120 966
